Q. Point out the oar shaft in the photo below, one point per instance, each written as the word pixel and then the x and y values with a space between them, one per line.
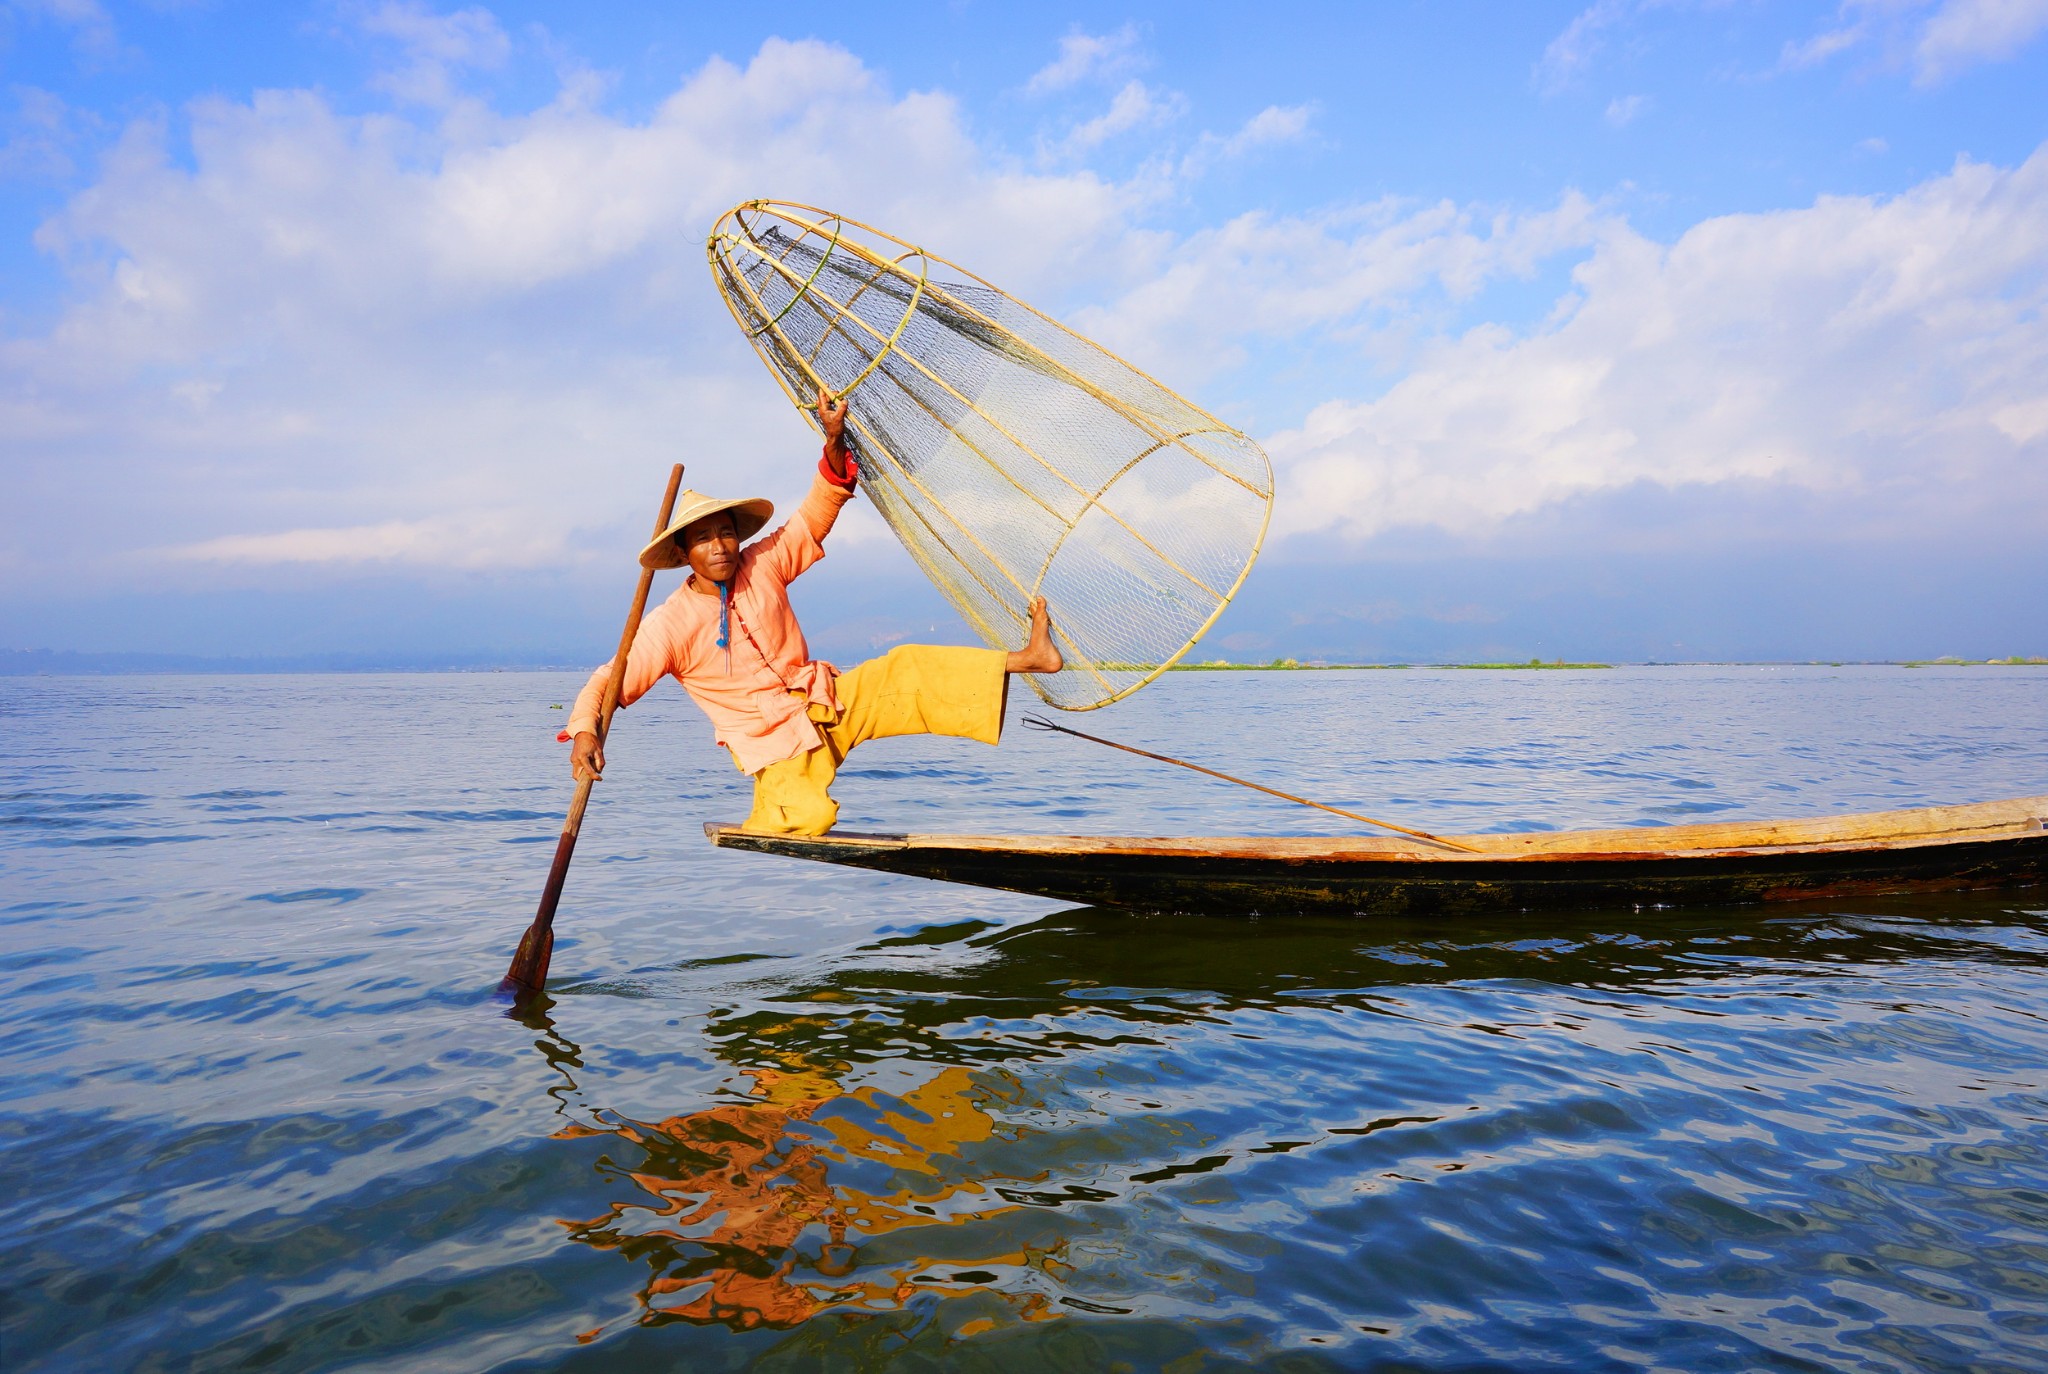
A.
pixel 1260 787
pixel 529 970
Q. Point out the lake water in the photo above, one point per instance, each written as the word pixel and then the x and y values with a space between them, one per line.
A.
pixel 261 1110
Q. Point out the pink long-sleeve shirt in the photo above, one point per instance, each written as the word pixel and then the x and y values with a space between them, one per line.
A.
pixel 747 688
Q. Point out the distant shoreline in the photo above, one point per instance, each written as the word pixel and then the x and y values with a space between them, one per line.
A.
pixel 1288 665
pixel 42 663
pixel 1553 665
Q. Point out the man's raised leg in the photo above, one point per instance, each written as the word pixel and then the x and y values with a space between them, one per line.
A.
pixel 914 689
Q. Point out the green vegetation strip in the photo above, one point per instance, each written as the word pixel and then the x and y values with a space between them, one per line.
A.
pixel 1292 665
pixel 1532 663
pixel 2014 662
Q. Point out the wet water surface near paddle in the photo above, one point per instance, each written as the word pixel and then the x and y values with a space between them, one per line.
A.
pixel 262 1110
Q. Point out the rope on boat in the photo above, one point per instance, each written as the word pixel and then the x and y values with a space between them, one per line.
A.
pixel 1039 723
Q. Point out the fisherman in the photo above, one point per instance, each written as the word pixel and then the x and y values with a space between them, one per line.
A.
pixel 729 636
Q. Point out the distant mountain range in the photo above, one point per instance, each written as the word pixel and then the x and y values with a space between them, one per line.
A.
pixel 47 662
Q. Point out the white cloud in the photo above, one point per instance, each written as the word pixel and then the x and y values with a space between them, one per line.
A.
pixel 38 138
pixel 2024 421
pixel 1623 110
pixel 1569 55
pixel 492 539
pixel 1084 57
pixel 1963 33
pixel 1198 303
pixel 434 47
pixel 1811 52
pixel 352 342
pixel 1270 127
pixel 1889 352
pixel 1274 124
pixel 309 321
pixel 1935 39
pixel 1135 107
pixel 92 27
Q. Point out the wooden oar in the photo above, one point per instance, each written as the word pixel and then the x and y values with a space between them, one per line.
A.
pixel 529 971
pixel 1038 723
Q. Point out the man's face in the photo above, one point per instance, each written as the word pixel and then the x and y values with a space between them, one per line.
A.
pixel 713 547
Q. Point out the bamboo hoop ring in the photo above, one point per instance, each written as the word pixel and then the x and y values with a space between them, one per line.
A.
pixel 735 238
pixel 803 289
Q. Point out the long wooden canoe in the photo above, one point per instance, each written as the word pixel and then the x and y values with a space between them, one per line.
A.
pixel 1991 844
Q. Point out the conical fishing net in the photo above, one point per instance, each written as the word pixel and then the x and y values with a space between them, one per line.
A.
pixel 1011 456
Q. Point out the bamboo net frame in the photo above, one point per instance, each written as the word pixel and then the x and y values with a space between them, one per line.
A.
pixel 1012 457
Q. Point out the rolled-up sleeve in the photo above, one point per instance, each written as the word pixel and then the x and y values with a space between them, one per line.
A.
pixel 800 542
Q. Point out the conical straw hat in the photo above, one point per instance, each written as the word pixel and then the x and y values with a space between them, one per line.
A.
pixel 748 516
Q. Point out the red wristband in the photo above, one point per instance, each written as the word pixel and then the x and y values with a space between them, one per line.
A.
pixel 846 482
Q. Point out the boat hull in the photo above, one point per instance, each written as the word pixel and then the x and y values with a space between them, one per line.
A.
pixel 2001 844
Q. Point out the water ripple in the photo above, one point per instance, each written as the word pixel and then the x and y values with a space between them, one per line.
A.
pixel 260 1108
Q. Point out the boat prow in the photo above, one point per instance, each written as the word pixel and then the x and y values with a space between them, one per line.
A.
pixel 1936 848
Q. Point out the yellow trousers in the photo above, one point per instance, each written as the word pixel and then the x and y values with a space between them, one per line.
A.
pixel 915 689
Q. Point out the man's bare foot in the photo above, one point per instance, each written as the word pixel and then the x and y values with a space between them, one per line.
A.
pixel 1039 654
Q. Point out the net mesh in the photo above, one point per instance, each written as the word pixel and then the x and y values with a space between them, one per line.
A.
pixel 1011 456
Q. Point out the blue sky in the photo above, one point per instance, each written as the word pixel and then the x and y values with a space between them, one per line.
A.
pixel 1632 329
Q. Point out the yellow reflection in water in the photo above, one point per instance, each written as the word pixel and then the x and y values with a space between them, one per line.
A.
pixel 742 1223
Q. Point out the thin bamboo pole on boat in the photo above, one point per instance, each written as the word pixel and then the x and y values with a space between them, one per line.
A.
pixel 529 971
pixel 1039 723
